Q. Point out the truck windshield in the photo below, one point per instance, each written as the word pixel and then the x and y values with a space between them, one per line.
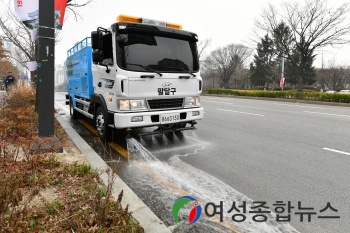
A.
pixel 163 54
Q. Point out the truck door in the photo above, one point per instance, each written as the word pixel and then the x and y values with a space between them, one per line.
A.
pixel 104 68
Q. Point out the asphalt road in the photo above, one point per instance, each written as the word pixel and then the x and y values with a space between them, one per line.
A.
pixel 275 151
pixel 261 150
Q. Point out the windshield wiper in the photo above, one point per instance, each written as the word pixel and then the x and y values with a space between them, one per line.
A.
pixel 189 71
pixel 146 68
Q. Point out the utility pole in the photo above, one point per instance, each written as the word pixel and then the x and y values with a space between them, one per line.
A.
pixel 282 76
pixel 46 62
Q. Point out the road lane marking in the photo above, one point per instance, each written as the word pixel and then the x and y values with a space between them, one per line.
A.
pixel 216 102
pixel 337 151
pixel 297 105
pixel 113 145
pixel 247 113
pixel 328 114
pixel 120 149
pixel 87 125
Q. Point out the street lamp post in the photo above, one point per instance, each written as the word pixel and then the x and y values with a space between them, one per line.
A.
pixel 46 43
pixel 282 76
pixel 46 60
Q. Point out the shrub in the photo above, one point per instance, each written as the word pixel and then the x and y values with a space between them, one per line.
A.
pixel 18 121
pixel 315 96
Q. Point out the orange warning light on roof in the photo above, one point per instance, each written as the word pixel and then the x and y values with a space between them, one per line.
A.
pixel 127 18
pixel 173 25
pixel 133 19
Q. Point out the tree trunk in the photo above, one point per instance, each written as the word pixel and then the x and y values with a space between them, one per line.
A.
pixel 300 83
pixel 225 83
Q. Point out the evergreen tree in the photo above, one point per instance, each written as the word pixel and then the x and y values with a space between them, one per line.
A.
pixel 263 70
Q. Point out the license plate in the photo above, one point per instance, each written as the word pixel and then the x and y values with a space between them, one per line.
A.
pixel 169 118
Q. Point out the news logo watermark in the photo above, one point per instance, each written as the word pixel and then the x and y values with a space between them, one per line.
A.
pixel 194 213
pixel 258 211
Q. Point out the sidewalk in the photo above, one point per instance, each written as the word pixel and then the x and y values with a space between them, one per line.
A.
pixel 147 219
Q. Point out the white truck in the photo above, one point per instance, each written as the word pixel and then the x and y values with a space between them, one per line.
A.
pixel 137 73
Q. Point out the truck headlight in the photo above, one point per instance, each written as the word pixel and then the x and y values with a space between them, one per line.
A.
pixel 124 105
pixel 137 105
pixel 134 105
pixel 192 101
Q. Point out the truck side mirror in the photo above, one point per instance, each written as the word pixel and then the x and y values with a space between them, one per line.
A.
pixel 97 40
pixel 97 56
pixel 94 40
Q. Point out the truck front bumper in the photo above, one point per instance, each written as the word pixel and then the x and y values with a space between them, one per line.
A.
pixel 127 120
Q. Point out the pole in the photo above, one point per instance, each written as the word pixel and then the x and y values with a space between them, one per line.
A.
pixel 282 71
pixel 46 61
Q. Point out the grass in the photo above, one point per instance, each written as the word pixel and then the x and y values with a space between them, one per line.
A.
pixel 38 193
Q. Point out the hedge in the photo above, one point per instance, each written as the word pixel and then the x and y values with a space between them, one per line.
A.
pixel 315 96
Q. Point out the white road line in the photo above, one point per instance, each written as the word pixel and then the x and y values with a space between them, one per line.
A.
pixel 297 105
pixel 215 102
pixel 328 114
pixel 254 114
pixel 337 151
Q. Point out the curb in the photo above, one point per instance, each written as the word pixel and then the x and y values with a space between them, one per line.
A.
pixel 146 218
pixel 282 100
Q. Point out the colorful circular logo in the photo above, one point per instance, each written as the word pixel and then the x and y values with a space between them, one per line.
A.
pixel 195 212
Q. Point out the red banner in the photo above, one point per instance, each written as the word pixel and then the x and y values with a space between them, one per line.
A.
pixel 60 5
pixel 282 82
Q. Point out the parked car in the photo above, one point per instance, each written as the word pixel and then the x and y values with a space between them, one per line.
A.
pixel 330 91
pixel 344 92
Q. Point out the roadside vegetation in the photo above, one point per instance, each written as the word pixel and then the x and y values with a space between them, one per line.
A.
pixel 39 192
pixel 315 96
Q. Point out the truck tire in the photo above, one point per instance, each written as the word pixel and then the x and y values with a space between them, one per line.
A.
pixel 72 112
pixel 104 132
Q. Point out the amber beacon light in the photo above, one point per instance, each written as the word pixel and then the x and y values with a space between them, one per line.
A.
pixel 133 19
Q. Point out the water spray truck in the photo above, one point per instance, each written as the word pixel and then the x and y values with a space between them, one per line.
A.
pixel 138 73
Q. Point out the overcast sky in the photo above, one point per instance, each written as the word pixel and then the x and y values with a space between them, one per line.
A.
pixel 222 21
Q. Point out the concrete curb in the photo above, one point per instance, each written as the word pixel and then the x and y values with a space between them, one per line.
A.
pixel 147 219
pixel 282 100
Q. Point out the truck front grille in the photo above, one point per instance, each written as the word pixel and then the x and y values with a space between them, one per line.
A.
pixel 165 103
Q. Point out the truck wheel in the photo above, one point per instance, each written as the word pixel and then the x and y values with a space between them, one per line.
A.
pixel 72 112
pixel 104 132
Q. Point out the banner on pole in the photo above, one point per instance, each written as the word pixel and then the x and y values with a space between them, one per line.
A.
pixel 32 65
pixel 60 8
pixel 28 12
pixel 282 82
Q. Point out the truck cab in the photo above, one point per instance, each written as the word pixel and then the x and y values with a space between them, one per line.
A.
pixel 137 73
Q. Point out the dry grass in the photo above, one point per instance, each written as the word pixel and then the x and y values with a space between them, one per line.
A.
pixel 39 193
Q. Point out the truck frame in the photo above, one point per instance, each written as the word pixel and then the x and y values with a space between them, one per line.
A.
pixel 138 73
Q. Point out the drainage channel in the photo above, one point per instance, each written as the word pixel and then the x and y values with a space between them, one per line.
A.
pixel 156 173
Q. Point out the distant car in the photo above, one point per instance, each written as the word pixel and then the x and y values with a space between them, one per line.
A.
pixel 344 92
pixel 330 91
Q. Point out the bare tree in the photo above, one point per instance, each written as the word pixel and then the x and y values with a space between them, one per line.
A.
pixel 226 61
pixel 242 78
pixel 209 76
pixel 14 31
pixel 311 25
pixel 3 52
pixel 334 77
pixel 202 46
